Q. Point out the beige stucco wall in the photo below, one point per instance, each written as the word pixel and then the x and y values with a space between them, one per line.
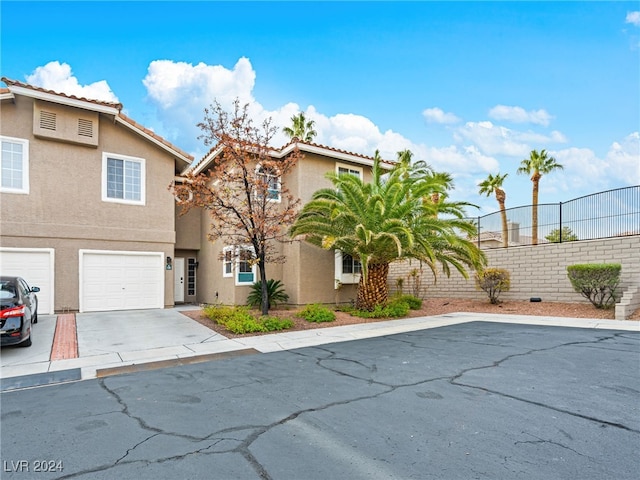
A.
pixel 64 208
pixel 308 272
pixel 188 229
pixel 536 271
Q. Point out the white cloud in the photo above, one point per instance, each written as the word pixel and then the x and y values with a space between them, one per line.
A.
pixel 181 91
pixel 170 84
pixel 633 18
pixel 437 115
pixel 497 140
pixel 623 159
pixel 492 139
pixel 582 170
pixel 465 161
pixel 520 115
pixel 58 77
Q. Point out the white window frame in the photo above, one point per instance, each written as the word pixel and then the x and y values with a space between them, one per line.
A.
pixel 227 264
pixel 125 158
pixel 341 277
pixel 24 190
pixel 351 168
pixel 235 265
pixel 192 277
pixel 261 173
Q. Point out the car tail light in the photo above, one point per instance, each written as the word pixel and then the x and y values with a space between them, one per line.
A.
pixel 13 312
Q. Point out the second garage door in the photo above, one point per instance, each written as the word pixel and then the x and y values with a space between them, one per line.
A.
pixel 112 280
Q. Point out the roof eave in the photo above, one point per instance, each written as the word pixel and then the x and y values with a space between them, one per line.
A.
pixel 179 155
pixel 305 147
pixel 71 102
pixel 204 163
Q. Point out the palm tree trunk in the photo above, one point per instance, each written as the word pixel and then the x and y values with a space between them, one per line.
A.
pixel 534 215
pixel 375 291
pixel 505 228
pixel 500 196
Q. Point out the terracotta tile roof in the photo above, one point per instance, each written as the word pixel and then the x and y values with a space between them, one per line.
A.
pixel 15 83
pixel 280 150
pixel 149 132
pixel 333 149
pixel 325 147
pixel 117 106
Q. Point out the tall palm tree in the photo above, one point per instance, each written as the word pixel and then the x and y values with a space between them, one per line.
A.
pixel 537 165
pixel 493 184
pixel 386 220
pixel 301 128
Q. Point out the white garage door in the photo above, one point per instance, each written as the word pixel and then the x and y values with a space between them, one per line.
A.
pixel 35 265
pixel 111 280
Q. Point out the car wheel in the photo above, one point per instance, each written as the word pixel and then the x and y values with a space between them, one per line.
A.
pixel 27 342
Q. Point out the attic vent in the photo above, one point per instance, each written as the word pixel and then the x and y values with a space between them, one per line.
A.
pixel 47 120
pixel 85 127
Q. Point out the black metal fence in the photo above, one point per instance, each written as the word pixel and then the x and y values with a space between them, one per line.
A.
pixel 613 213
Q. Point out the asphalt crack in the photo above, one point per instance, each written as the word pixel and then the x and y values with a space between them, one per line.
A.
pixel 248 434
pixel 454 381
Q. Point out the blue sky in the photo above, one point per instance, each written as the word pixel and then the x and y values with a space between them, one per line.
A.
pixel 470 87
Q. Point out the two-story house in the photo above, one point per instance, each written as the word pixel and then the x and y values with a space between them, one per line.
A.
pixel 309 274
pixel 86 214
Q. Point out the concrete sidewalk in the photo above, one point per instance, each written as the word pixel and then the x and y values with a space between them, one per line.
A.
pixel 112 342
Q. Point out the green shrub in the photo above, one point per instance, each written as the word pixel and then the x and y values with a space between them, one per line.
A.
pixel 493 281
pixel 317 313
pixel 238 320
pixel 396 308
pixel 596 281
pixel 271 324
pixel 414 303
pixel 240 325
pixel 221 314
pixel 275 293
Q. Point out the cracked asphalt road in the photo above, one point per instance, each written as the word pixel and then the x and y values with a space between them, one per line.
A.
pixel 470 401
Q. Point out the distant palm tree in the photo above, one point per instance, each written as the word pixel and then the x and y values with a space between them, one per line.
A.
pixel 445 181
pixel 493 184
pixel 537 165
pixel 301 128
pixel 440 182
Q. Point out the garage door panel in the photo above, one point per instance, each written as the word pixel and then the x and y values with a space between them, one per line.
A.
pixel 122 280
pixel 36 266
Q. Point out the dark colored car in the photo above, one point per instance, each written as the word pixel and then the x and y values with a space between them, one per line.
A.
pixel 18 311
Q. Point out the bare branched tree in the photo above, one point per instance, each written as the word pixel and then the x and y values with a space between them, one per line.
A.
pixel 242 189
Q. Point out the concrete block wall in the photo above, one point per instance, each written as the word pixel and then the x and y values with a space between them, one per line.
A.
pixel 536 271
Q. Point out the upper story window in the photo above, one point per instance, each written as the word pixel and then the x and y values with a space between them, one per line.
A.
pixel 342 169
pixel 123 179
pixel 347 269
pixel 14 172
pixel 268 182
pixel 227 261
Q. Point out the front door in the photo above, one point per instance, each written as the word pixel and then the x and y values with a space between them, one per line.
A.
pixel 178 280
